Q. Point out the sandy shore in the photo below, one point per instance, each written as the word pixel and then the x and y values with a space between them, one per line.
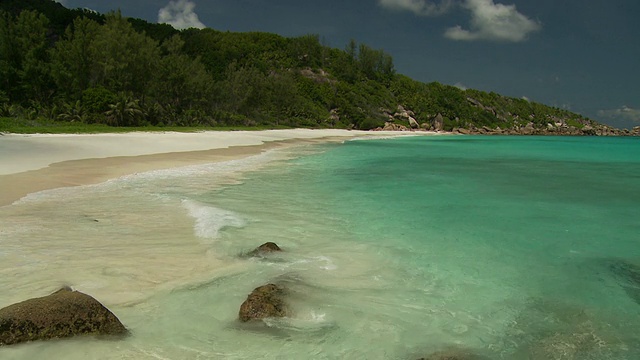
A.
pixel 31 163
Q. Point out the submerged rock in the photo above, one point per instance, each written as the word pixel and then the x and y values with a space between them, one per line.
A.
pixel 265 248
pixel 626 271
pixel 569 345
pixel 549 329
pixel 454 354
pixel 263 302
pixel 629 276
pixel 64 313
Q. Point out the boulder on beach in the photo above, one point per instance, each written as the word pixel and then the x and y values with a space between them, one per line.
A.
pixel 264 302
pixel 64 313
pixel 265 248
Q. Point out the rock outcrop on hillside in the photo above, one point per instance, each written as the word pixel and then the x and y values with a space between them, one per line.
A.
pixel 550 129
pixel 406 120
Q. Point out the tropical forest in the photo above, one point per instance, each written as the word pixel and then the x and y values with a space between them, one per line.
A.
pixel 75 67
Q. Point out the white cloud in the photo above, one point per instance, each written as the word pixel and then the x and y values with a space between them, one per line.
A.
pixel 180 15
pixel 624 112
pixel 461 86
pixel 525 98
pixel 489 21
pixel 419 7
pixel 63 2
pixel 494 22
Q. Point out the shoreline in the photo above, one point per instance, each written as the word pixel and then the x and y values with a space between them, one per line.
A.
pixel 38 162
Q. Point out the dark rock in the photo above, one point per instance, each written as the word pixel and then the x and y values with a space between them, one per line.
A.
pixel 588 130
pixel 64 313
pixel 488 130
pixel 626 271
pixel 550 329
pixel 629 276
pixel 633 292
pixel 438 123
pixel 318 75
pixel 334 117
pixel 575 343
pixel 394 127
pixel 529 129
pixel 413 123
pixel 265 248
pixel 475 102
pixel 405 115
pixel 264 302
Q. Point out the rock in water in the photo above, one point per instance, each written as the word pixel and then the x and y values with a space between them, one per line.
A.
pixel 62 314
pixel 265 248
pixel 263 302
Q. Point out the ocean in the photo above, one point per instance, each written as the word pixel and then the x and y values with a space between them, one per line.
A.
pixel 504 247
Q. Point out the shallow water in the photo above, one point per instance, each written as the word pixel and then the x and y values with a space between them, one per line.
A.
pixel 510 247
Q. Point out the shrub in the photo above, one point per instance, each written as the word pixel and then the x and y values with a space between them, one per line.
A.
pixel 97 100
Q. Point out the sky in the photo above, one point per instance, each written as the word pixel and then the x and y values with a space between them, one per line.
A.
pixel 580 55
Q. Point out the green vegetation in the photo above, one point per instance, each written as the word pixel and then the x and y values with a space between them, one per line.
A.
pixel 78 71
pixel 20 126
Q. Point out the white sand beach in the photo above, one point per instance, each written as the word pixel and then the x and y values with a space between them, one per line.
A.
pixel 375 259
pixel 35 162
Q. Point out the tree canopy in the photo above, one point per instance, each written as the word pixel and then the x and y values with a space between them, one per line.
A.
pixel 77 65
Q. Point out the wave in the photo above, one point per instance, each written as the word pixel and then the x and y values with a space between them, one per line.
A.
pixel 221 170
pixel 220 167
pixel 210 220
pixel 308 322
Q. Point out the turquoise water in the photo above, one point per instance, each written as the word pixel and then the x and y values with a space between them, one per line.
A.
pixel 507 247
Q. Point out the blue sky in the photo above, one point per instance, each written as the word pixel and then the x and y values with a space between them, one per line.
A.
pixel 582 55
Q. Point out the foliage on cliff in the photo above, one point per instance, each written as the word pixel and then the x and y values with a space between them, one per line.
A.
pixel 67 65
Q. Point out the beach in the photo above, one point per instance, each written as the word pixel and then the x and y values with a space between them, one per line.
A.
pixel 396 247
pixel 36 162
pixel 61 167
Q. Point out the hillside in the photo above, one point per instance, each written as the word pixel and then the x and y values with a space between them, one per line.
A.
pixel 62 65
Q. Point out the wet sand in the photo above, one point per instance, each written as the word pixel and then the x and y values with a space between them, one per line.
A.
pixel 31 163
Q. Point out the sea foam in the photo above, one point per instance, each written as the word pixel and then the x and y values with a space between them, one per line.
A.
pixel 210 220
pixel 222 171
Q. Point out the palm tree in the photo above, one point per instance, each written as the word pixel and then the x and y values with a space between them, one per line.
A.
pixel 124 112
pixel 73 112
